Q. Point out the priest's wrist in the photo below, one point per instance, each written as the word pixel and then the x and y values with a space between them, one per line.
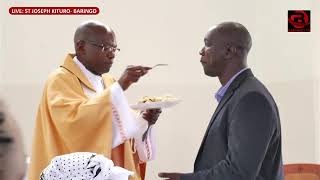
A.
pixel 124 83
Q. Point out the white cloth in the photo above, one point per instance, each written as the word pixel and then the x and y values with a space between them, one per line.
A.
pixel 146 149
pixel 83 166
pixel 125 123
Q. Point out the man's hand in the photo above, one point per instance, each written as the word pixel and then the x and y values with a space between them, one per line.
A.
pixel 151 115
pixel 170 176
pixel 131 75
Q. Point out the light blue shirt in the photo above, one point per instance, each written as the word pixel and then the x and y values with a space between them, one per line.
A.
pixel 219 95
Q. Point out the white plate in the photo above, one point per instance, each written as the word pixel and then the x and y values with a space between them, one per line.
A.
pixel 155 105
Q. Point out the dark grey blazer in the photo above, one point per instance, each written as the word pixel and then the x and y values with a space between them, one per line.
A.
pixel 243 139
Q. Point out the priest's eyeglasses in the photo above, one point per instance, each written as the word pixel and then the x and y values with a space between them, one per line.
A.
pixel 105 48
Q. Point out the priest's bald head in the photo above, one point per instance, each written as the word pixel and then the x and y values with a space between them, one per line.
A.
pixel 12 159
pixel 226 48
pixel 95 46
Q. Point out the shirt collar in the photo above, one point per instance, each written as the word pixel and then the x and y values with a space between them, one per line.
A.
pixel 220 93
pixel 93 79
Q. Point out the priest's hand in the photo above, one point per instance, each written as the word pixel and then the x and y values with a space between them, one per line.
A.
pixel 170 176
pixel 132 74
pixel 151 115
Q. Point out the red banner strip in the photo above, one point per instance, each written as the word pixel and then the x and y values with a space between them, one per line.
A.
pixel 54 10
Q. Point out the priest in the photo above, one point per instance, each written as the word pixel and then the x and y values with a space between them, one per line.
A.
pixel 83 108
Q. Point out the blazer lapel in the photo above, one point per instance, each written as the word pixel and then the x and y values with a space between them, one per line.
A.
pixel 232 88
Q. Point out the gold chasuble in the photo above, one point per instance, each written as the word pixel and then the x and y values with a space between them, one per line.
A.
pixel 68 121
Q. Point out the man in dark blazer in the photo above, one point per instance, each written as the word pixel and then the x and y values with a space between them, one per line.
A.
pixel 243 138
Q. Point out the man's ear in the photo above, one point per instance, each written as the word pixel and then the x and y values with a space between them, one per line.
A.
pixel 230 51
pixel 80 47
